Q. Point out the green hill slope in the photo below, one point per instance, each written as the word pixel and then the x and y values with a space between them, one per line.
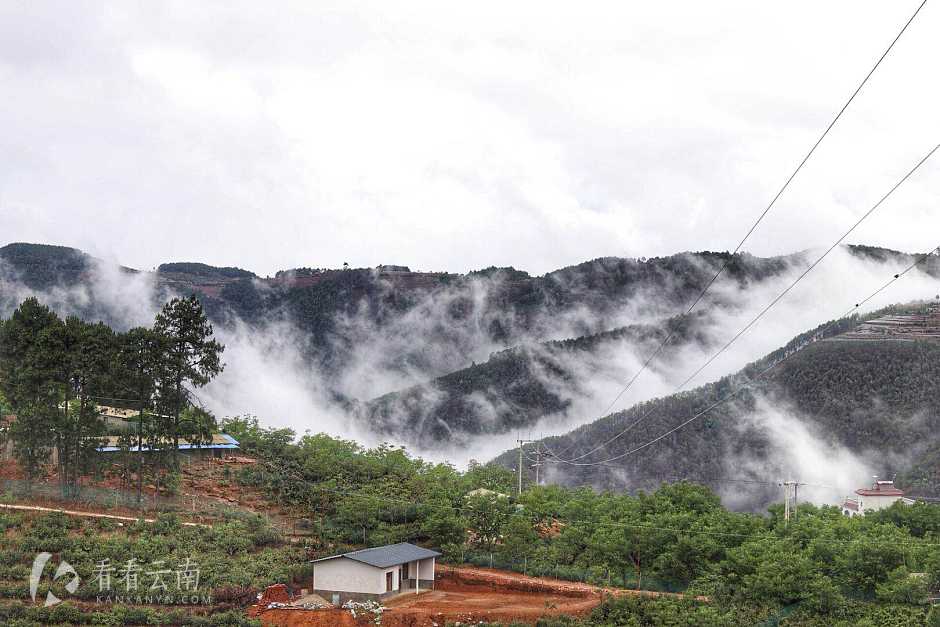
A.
pixel 875 398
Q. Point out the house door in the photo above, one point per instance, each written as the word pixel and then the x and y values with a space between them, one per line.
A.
pixel 388 581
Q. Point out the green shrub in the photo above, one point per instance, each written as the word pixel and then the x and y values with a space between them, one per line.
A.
pixel 266 536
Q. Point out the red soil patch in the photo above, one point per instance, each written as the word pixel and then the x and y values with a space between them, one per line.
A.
pixel 9 469
pixel 467 595
pixel 274 594
pixel 315 618
pixel 203 482
pixel 476 579
pixel 504 579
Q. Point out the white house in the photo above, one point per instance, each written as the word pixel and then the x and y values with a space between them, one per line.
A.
pixel 374 574
pixel 881 495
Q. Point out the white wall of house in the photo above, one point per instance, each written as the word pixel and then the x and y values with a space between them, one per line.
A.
pixel 865 504
pixel 348 575
pixel 425 568
pixel 875 503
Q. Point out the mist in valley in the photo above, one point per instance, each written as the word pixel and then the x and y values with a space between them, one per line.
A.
pixel 268 375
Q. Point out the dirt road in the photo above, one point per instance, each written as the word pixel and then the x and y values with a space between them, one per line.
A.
pixel 73 512
pixel 503 579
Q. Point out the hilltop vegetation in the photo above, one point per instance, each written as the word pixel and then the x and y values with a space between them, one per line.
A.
pixel 500 306
pixel 41 266
pixel 513 303
pixel 204 270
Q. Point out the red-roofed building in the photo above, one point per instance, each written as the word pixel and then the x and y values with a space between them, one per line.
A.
pixel 881 495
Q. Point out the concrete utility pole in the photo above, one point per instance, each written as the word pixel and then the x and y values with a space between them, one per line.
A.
pixel 521 444
pixel 789 487
pixel 538 461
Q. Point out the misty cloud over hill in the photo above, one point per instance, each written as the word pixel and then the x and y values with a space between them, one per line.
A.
pixel 455 366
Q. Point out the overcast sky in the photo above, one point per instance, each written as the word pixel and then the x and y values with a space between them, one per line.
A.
pixel 459 135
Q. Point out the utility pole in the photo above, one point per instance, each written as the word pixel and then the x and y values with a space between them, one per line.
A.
pixel 790 487
pixel 538 461
pixel 521 444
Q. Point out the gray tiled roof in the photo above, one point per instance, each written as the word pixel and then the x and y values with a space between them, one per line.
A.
pixel 390 555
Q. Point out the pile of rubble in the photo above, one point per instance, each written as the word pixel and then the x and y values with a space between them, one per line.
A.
pixel 365 607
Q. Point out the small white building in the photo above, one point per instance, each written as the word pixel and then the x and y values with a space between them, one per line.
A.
pixel 374 574
pixel 881 495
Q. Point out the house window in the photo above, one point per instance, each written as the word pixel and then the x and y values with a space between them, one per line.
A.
pixel 388 581
pixel 404 569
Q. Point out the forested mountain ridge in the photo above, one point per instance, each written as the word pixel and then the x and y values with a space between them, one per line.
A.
pixel 371 332
pixel 499 307
pixel 878 399
pixel 517 387
pixel 42 266
pixel 442 356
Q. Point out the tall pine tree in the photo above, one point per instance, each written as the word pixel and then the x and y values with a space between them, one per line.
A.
pixel 192 358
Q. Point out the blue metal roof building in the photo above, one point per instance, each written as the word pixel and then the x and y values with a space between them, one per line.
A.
pixel 220 442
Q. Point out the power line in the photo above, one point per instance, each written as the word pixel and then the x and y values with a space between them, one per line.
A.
pixel 890 281
pixel 701 479
pixel 770 205
pixel 811 267
pixel 727 397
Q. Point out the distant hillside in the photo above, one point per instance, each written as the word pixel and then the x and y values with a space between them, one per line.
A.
pixel 201 269
pixel 63 274
pixel 872 396
pixel 40 266
pixel 515 388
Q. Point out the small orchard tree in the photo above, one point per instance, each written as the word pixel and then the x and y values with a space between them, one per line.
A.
pixel 488 515
pixel 444 526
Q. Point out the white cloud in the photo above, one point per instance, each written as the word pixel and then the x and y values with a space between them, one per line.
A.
pixel 828 470
pixel 457 137
pixel 462 136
